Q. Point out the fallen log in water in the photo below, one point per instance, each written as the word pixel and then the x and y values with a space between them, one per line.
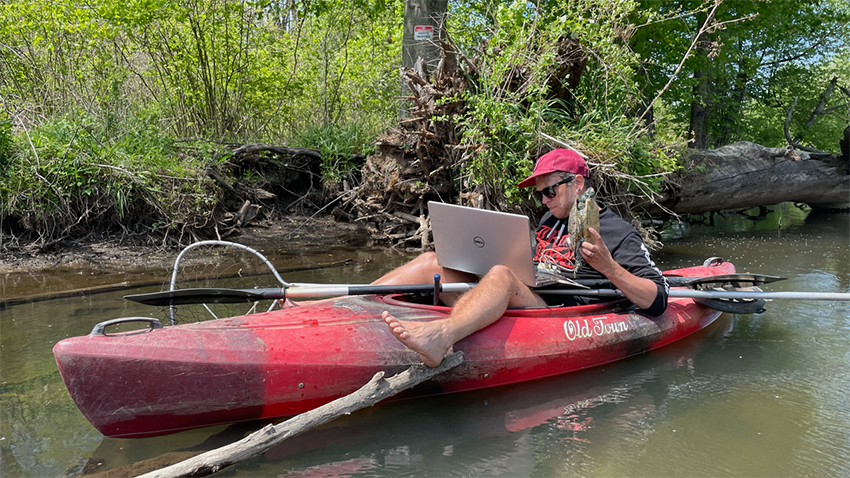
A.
pixel 271 435
pixel 744 175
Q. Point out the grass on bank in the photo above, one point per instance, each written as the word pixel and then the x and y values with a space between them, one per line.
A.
pixel 71 175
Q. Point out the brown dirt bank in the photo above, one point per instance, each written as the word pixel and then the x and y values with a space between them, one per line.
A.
pixel 111 253
pixel 89 266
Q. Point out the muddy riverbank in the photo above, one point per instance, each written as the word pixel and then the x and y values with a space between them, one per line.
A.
pixel 95 266
pixel 113 253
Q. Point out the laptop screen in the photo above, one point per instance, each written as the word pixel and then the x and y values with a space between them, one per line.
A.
pixel 474 240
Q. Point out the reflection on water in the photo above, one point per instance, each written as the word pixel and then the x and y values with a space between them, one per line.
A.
pixel 753 395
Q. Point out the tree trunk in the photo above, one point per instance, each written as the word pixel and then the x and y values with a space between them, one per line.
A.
pixel 730 116
pixel 744 175
pixel 701 92
pixel 424 29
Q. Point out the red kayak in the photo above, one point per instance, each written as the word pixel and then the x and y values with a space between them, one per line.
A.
pixel 284 362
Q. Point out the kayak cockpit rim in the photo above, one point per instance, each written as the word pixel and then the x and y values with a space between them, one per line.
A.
pixel 620 305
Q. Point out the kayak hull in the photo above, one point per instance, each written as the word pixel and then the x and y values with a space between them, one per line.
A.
pixel 288 361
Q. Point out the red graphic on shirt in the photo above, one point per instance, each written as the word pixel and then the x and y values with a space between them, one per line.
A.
pixel 552 247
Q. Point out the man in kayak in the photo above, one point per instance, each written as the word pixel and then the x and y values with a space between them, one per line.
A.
pixel 559 177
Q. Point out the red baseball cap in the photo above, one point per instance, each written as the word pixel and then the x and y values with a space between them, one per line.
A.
pixel 556 160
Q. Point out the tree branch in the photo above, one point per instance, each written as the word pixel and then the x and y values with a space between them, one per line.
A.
pixel 705 27
pixel 824 98
pixel 794 143
pixel 805 52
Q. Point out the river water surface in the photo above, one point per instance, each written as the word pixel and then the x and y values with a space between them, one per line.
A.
pixel 752 395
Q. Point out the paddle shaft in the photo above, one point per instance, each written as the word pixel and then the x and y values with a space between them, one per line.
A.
pixel 710 294
pixel 198 296
pixel 234 296
pixel 303 291
pixel 334 290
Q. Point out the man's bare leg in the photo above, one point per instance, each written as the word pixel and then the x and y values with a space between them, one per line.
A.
pixel 421 271
pixel 476 309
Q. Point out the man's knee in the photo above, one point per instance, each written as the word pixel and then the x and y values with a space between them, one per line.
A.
pixel 426 260
pixel 502 273
pixel 428 257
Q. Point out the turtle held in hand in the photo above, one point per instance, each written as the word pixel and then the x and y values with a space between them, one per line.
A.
pixel 585 214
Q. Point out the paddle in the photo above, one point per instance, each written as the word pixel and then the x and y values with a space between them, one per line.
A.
pixel 712 294
pixel 232 296
pixel 732 301
pixel 229 296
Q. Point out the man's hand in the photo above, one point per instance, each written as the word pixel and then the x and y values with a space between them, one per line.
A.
pixel 637 289
pixel 597 255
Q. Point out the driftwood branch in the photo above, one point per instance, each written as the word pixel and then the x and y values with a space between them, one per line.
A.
pixel 7 301
pixel 272 435
pixel 786 127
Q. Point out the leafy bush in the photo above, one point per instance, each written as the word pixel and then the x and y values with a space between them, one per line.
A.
pixel 125 101
pixel 512 109
pixel 6 139
pixel 75 174
pixel 339 147
pixel 220 70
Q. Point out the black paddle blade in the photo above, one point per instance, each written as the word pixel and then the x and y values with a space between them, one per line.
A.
pixel 730 281
pixel 205 296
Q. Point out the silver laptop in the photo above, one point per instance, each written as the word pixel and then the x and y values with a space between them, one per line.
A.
pixel 474 240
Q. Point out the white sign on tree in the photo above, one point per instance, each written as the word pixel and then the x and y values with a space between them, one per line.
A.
pixel 423 32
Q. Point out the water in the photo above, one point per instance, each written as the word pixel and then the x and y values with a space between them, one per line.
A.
pixel 752 395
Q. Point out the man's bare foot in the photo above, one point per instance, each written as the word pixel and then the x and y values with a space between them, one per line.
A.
pixel 425 338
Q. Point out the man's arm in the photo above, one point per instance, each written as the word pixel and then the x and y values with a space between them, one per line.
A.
pixel 642 292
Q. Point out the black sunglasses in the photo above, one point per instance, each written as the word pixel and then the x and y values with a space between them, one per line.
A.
pixel 550 192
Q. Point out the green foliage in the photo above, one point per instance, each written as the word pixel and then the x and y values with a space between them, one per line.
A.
pixel 338 145
pixel 6 139
pixel 222 70
pixel 747 62
pixel 764 118
pixel 106 89
pixel 102 91
pixel 345 66
pixel 71 172
pixel 57 55
pixel 511 102
pixel 642 157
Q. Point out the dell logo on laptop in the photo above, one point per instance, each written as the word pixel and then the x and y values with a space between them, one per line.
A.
pixel 478 241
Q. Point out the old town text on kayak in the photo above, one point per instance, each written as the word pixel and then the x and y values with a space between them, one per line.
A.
pixel 582 328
